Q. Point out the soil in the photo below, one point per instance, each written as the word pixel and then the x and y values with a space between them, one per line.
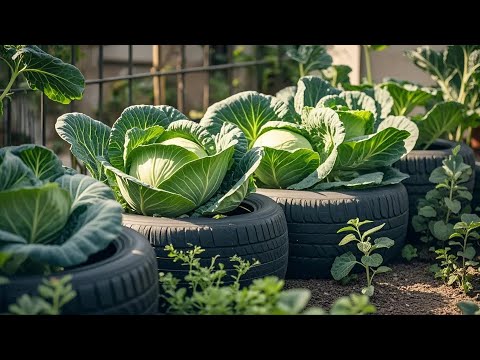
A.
pixel 408 290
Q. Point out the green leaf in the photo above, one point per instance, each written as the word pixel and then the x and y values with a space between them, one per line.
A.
pixel 287 95
pixel 294 300
pixel 356 122
pixel 441 230
pixel 84 190
pixel 332 102
pixel 429 60
pixel 437 176
pixel 317 175
pixel 442 118
pixel 360 223
pixel 135 137
pixel 86 233
pixel 60 81
pixel 372 151
pixel 468 307
pixel 88 139
pixel 346 228
pixel 470 218
pixel 249 110
pixel 342 265
pixel 313 57
pixel 418 223
pixel 383 242
pixel 4 280
pixel 354 304
pixel 382 269
pixel 42 161
pixel 337 74
pixel 372 231
pixel 347 238
pixel 402 123
pixel 453 205
pixel 14 173
pixel 137 116
pixel 368 291
pixel 406 96
pixel 427 211
pixel 409 252
pixel 378 47
pixel 198 134
pixel 231 196
pixel 392 176
pixel 383 101
pixel 225 134
pixel 465 195
pixel 145 199
pixel 280 168
pixel 310 89
pixel 358 182
pixel 372 260
pixel 357 100
pixel 152 164
pixel 35 214
pixel 469 253
pixel 364 246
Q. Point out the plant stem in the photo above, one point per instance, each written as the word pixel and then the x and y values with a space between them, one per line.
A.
pixel 9 85
pixel 452 185
pixel 368 64
pixel 469 135
pixel 301 70
pixel 368 275
pixel 464 270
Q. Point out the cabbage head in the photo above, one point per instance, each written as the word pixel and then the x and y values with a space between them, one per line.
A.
pixel 159 163
pixel 50 217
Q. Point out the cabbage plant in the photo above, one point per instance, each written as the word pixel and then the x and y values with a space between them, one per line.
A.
pixel 318 137
pixel 162 164
pixel 50 217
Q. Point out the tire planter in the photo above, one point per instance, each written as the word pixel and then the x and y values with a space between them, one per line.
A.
pixel 314 217
pixel 259 232
pixel 419 164
pixel 122 279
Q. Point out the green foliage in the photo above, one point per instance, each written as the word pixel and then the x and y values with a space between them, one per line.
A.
pixel 208 292
pixel 344 263
pixel 444 215
pixel 367 49
pixel 50 219
pixel 456 70
pixel 409 252
pixel 469 308
pixel 59 81
pixel 159 163
pixel 54 293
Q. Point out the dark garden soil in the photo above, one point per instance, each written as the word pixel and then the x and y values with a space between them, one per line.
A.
pixel 408 290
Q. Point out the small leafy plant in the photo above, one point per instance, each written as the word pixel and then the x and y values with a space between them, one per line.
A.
pixel 409 252
pixel 372 262
pixel 444 204
pixel 59 81
pixel 465 230
pixel 469 308
pixel 209 293
pixel 54 293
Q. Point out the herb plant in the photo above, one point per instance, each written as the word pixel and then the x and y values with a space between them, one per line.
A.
pixel 162 164
pixel 444 204
pixel 53 294
pixel 59 81
pixel 409 252
pixel 50 219
pixel 208 292
pixel 372 262
pixel 469 308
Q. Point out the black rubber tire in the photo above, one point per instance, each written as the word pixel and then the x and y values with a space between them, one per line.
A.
pixel 260 234
pixel 125 281
pixel 419 164
pixel 313 219
pixel 476 190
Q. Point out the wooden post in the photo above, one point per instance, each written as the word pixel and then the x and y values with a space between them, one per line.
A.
pixel 156 62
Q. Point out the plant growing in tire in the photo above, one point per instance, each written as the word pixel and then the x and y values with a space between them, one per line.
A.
pixel 181 183
pixel 324 139
pixel 55 222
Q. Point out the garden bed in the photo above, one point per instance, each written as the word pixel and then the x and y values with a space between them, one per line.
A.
pixel 408 290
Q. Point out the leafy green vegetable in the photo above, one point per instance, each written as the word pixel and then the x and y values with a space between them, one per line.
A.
pixel 159 163
pixel 406 96
pixel 59 81
pixel 47 217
